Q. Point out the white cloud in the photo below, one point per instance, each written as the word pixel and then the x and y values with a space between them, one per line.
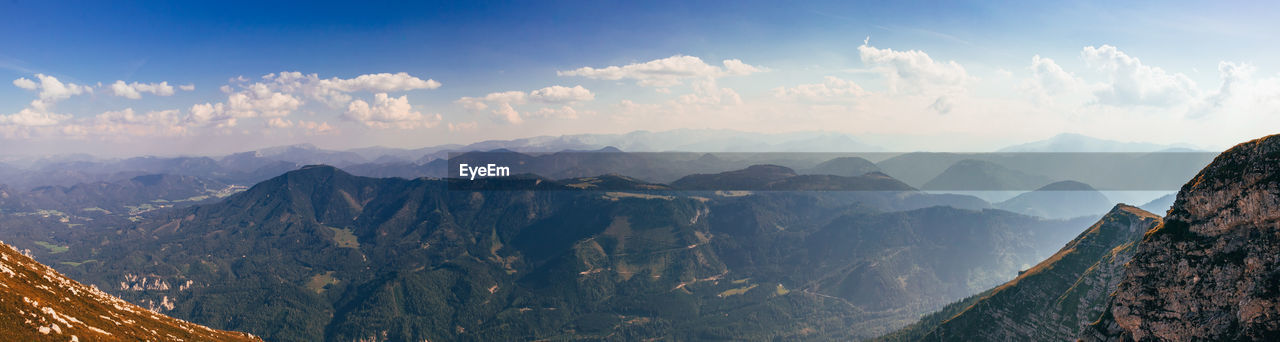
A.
pixel 51 89
pixel 29 117
pixel 383 82
pixel 562 94
pixel 1050 77
pixel 316 128
pixel 134 90
pixel 187 87
pixel 25 83
pixel 279 123
pixel 336 91
pixel 831 87
pixel 562 112
pixel 1239 91
pixel 1133 83
pixel 665 72
pixel 210 114
pixel 386 111
pixel 707 93
pixel 126 123
pixel 1049 82
pixel 503 104
pixel 258 100
pixel 462 126
pixel 737 67
pixel 913 71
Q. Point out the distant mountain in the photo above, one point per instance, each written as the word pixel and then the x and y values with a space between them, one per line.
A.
pixel 1210 271
pixel 127 195
pixel 40 304
pixel 918 168
pixel 309 154
pixel 745 179
pixel 686 140
pixel 979 175
pixel 1059 200
pixel 1160 205
pixel 1070 142
pixel 1054 300
pixel 779 178
pixel 843 166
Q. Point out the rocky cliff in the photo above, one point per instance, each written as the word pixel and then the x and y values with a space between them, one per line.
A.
pixel 1211 271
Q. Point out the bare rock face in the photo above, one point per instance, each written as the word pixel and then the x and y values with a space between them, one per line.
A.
pixel 1211 271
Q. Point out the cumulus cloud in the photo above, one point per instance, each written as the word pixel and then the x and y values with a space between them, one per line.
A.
pixel 386 111
pixel 134 90
pixel 127 123
pixel 503 104
pixel 316 128
pixel 1048 81
pixel 913 71
pixel 24 83
pixel 51 89
pixel 1133 83
pixel 28 117
pixel 831 87
pixel 666 72
pixel 210 114
pixel 187 87
pixel 279 123
pixel 562 94
pixel 562 112
pixel 335 92
pixel 259 100
pixel 1050 77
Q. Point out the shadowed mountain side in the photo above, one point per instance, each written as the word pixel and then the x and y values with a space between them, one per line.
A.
pixel 1055 299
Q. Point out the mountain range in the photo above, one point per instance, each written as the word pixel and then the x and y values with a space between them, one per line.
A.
pixel 319 254
pixel 316 253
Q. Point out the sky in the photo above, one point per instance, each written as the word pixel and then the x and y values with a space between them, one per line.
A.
pixel 133 78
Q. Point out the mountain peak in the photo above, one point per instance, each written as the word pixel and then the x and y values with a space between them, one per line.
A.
pixel 1222 189
pixel 1067 185
pixel 769 169
pixel 1121 209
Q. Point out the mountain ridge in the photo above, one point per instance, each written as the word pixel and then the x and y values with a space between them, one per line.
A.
pixel 40 304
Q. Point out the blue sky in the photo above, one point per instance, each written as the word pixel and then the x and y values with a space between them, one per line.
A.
pixel 967 75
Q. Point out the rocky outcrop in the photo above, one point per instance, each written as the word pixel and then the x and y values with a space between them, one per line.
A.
pixel 40 304
pixel 1211 271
